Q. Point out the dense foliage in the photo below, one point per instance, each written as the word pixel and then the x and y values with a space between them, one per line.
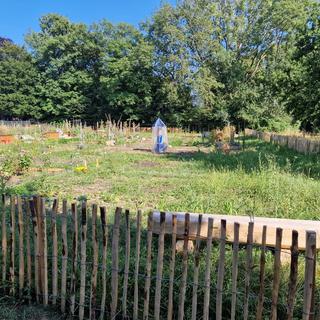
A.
pixel 200 63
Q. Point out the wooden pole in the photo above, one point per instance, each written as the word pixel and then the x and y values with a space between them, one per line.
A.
pixel 54 239
pixel 45 252
pixel 293 275
pixel 221 269
pixel 148 270
pixel 64 254
pixel 248 270
pixel 21 247
pixel 172 267
pixel 29 264
pixel 262 275
pixel 12 245
pixel 104 260
pixel 157 299
pixel 136 269
pixel 73 285
pixel 183 287
pixel 276 274
pixel 309 275
pixel 235 262
pixel 4 241
pixel 207 281
pixel 115 263
pixel 196 271
pixel 83 254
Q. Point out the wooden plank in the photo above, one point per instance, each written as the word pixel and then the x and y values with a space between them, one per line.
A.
pixel 21 246
pixel 248 270
pixel 235 262
pixel 64 256
pixel 148 270
pixel 196 271
pixel 157 299
pixel 222 258
pixel 4 240
pixel 29 260
pixel 309 275
pixel 136 269
pixel 104 260
pixel 54 260
pixel 293 275
pixel 207 282
pixel 272 223
pixel 276 275
pixel 73 285
pixel 183 283
pixel 262 275
pixel 172 267
pixel 44 253
pixel 115 263
pixel 12 245
pixel 83 259
pixel 126 266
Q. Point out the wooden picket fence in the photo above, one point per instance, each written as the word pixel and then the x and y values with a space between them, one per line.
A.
pixel 297 143
pixel 62 257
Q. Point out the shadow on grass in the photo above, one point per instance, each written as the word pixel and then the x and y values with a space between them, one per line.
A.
pixel 257 156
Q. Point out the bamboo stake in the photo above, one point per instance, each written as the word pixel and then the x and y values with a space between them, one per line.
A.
pixel 45 252
pixel 12 244
pixel 73 285
pixel 221 269
pixel 262 274
pixel 196 271
pixel 115 263
pixel 54 251
pixel 182 295
pixel 293 275
pixel 21 249
pixel 309 275
pixel 126 267
pixel 4 241
pixel 83 254
pixel 136 269
pixel 206 301
pixel 94 276
pixel 235 261
pixel 104 260
pixel 64 253
pixel 148 270
pixel 157 299
pixel 248 270
pixel 29 265
pixel 172 266
pixel 276 274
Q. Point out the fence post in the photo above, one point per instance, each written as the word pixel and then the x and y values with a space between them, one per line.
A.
pixel 115 263
pixel 54 251
pixel 44 257
pixel 21 249
pixel 309 276
pixel 293 275
pixel 235 257
pixel 4 241
pixel 64 254
pixel 12 244
pixel 29 266
pixel 73 285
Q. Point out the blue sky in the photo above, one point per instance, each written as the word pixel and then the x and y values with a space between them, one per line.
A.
pixel 18 17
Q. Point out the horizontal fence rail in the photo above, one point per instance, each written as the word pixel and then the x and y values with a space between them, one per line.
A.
pixel 93 264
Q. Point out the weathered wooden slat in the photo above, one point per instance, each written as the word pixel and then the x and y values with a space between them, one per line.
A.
pixel 262 275
pixel 29 260
pixel 276 275
pixel 221 270
pixel 115 262
pixel 73 285
pixel 148 270
pixel 44 253
pixel 12 245
pixel 196 271
pixel 172 267
pixel 4 240
pixel 293 275
pixel 104 260
pixel 136 269
pixel 235 261
pixel 206 301
pixel 182 294
pixel 64 256
pixel 157 299
pixel 54 240
pixel 248 270
pixel 21 246
pixel 83 259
